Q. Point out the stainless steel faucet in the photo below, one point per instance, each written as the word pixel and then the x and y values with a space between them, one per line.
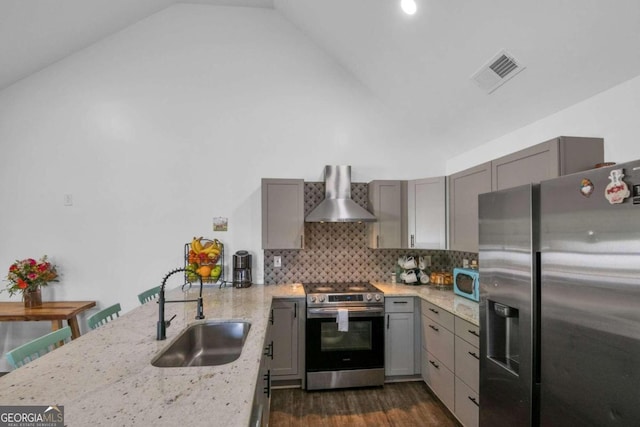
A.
pixel 164 324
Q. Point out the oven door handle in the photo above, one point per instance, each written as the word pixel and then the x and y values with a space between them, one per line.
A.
pixel 353 312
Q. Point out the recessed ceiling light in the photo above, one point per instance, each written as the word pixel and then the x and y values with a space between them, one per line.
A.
pixel 408 6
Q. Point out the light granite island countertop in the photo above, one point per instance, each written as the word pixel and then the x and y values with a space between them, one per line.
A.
pixel 105 377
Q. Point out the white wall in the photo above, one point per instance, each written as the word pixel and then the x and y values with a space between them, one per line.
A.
pixel 612 115
pixel 163 126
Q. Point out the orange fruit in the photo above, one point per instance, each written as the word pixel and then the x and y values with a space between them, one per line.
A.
pixel 204 271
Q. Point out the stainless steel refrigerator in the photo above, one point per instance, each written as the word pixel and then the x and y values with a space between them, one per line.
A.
pixel 560 301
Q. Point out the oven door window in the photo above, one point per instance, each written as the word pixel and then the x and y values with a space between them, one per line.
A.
pixel 358 337
pixel 360 348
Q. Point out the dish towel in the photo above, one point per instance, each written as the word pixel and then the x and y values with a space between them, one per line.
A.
pixel 343 320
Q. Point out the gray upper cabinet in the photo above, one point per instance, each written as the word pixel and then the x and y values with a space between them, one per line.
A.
pixel 426 219
pixel 464 188
pixel 559 156
pixel 282 213
pixel 387 204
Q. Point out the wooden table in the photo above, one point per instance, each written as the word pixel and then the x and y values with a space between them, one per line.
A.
pixel 55 311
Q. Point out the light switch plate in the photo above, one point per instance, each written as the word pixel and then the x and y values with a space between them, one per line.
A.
pixel 277 261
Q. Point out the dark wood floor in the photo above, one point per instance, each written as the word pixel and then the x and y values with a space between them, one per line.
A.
pixel 404 404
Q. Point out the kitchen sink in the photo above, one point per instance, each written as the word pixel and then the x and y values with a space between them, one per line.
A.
pixel 208 343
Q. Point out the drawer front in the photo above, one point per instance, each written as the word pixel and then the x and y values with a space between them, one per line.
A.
pixel 467 404
pixel 438 314
pixel 399 304
pixel 467 331
pixel 439 379
pixel 438 341
pixel 467 366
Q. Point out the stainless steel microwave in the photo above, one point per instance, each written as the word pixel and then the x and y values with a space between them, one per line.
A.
pixel 466 283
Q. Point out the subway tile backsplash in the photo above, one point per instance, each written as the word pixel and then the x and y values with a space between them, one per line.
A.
pixel 338 252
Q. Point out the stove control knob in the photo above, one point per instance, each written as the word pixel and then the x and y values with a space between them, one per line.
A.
pixel 378 297
pixel 312 298
pixel 368 297
pixel 321 298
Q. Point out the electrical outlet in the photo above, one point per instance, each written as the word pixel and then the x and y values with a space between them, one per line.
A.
pixel 427 261
pixel 277 261
pixel 465 263
pixel 68 200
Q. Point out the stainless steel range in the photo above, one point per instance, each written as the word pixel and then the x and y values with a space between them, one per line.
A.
pixel 344 335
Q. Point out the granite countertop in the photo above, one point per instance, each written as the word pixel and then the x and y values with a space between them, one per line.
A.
pixel 105 377
pixel 443 298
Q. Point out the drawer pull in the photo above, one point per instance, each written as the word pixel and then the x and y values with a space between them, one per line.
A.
pixel 434 328
pixel 434 364
pixel 472 332
pixel 401 302
pixel 472 353
pixel 435 311
pixel 474 400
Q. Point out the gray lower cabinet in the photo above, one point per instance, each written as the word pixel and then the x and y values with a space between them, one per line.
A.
pixel 438 352
pixel 426 219
pixel 386 203
pixel 559 156
pixel 400 337
pixel 464 188
pixel 467 372
pixel 450 361
pixel 286 316
pixel 282 213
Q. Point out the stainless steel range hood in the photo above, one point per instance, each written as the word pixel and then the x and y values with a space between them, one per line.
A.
pixel 337 205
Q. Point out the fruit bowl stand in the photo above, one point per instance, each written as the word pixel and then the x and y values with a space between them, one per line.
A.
pixel 216 262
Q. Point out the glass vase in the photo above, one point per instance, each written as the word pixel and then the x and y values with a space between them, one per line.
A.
pixel 32 298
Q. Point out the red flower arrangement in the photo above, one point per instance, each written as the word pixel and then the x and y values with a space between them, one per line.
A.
pixel 30 275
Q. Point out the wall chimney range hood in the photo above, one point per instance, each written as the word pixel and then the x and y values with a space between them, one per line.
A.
pixel 337 205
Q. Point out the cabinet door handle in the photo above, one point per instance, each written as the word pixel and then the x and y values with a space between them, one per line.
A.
pixel 472 353
pixel 434 328
pixel 378 241
pixel 474 400
pixel 388 321
pixel 268 350
pixel 267 378
pixel 434 364
pixel 435 311
pixel 295 310
pixel 412 241
pixel 271 317
pixel 472 332
pixel 401 302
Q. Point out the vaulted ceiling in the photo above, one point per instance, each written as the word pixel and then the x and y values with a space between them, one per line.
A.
pixel 420 66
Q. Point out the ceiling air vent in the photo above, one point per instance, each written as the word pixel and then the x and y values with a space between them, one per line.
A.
pixel 497 71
